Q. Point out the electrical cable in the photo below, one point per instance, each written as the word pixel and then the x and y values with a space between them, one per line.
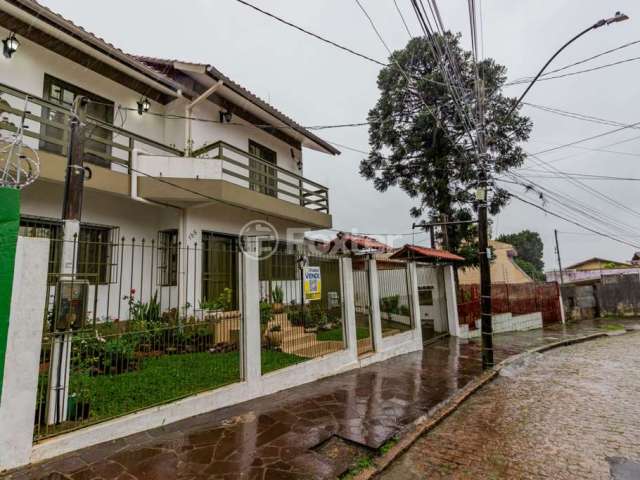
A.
pixel 318 37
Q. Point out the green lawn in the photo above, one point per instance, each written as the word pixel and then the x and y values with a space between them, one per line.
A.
pixel 335 334
pixel 273 360
pixel 164 379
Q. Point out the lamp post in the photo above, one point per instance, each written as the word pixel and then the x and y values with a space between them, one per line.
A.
pixel 482 197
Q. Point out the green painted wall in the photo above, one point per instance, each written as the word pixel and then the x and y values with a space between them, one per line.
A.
pixel 9 225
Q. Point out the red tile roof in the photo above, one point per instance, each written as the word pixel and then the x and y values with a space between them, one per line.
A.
pixel 362 242
pixel 424 253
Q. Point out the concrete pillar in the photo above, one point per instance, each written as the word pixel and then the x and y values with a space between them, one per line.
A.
pixel 58 394
pixel 452 301
pixel 20 383
pixel 374 293
pixel 349 306
pixel 250 288
pixel 414 300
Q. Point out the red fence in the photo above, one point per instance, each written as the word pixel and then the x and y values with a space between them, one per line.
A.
pixel 517 299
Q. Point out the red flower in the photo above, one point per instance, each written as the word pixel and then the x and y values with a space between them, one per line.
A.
pixel 133 291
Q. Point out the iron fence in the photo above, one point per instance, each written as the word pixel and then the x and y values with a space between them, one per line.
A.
pixel 362 298
pixel 395 302
pixel 296 325
pixel 136 324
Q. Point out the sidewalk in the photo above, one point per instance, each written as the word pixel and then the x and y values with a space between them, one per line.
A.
pixel 284 436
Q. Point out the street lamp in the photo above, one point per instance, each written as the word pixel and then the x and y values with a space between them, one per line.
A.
pixel 618 17
pixel 483 228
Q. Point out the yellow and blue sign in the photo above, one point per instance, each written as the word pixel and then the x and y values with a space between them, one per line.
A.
pixel 312 283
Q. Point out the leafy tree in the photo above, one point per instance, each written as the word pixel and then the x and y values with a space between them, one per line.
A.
pixel 535 273
pixel 530 250
pixel 418 140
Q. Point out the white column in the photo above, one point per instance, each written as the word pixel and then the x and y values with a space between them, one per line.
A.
pixel 412 273
pixel 452 301
pixel 250 287
pixel 374 293
pixel 18 402
pixel 349 309
pixel 58 394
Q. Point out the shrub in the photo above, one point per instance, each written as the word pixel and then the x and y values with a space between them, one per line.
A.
pixel 277 295
pixel 390 304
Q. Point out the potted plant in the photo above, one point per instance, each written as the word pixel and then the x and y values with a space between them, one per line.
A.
pixel 275 336
pixel 277 297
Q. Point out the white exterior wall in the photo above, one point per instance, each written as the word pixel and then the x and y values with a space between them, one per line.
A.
pixel 26 71
pixel 18 402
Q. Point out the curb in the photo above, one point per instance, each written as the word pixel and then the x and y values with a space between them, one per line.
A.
pixel 441 411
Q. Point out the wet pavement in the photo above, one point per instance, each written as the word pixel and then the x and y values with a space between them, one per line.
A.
pixel 570 414
pixel 285 435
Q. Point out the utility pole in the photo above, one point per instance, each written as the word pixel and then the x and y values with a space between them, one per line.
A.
pixel 58 394
pixel 483 237
pixel 559 261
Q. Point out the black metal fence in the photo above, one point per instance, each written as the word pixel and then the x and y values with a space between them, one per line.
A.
pixel 136 324
pixel 298 323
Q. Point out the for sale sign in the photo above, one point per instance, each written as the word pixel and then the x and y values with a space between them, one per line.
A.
pixel 312 283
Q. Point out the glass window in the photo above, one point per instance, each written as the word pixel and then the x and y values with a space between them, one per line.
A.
pixel 95 259
pixel 168 258
pixel 97 150
pixel 263 178
pixel 219 267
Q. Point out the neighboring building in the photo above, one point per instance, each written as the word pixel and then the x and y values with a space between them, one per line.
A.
pixel 593 270
pixel 504 269
pixel 154 177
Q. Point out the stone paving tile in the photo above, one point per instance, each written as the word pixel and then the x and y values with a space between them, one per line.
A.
pixel 273 437
pixel 566 414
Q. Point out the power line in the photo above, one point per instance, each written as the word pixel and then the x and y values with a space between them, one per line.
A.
pixel 600 67
pixel 593 137
pixel 404 22
pixel 602 234
pixel 581 176
pixel 318 37
pixel 593 57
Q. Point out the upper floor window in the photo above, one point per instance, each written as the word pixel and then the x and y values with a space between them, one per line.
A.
pixel 262 177
pixel 55 132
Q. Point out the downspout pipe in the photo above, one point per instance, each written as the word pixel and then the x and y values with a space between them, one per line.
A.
pixel 188 147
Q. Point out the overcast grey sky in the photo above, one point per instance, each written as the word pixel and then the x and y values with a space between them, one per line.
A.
pixel 317 84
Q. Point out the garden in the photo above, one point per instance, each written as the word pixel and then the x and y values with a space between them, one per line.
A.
pixel 151 359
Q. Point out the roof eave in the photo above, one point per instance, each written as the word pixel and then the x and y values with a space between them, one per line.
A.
pixel 215 74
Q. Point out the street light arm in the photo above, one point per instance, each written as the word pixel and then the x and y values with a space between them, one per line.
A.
pixel 600 23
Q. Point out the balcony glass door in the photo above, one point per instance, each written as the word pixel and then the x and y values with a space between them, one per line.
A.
pixel 262 177
pixel 63 94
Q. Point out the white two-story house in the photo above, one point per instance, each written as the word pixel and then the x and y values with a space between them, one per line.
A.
pixel 178 154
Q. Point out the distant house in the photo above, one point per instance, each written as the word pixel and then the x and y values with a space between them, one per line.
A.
pixel 504 269
pixel 593 270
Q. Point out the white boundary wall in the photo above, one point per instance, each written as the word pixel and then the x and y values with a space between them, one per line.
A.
pixel 254 385
pixel 18 402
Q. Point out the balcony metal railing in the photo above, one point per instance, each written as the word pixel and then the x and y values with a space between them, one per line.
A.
pixel 116 146
pixel 241 167
pixel 112 145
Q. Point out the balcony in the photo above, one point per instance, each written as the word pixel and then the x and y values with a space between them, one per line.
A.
pixel 126 163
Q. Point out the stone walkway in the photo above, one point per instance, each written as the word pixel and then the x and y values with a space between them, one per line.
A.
pixel 283 436
pixel 570 414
